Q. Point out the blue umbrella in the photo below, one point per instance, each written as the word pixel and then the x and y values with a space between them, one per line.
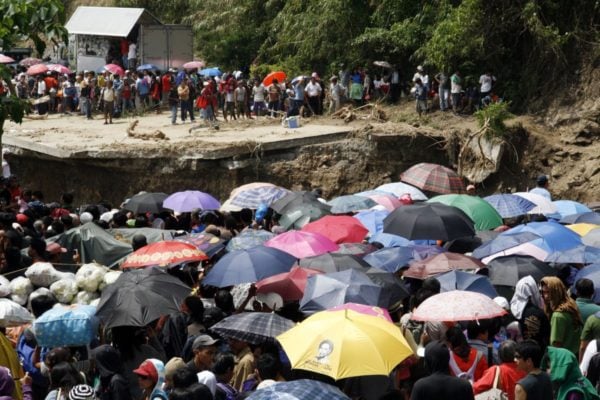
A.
pixel 248 239
pixel 391 259
pixel 350 203
pixel 585 217
pixel 591 272
pixel 303 389
pixel 214 71
pixel 570 207
pixel 504 241
pixel 460 280
pixel 424 251
pixel 400 188
pixel 179 77
pixel 147 67
pixel 510 205
pixel 253 198
pixel 252 265
pixel 578 255
pixel 372 220
pixel 389 240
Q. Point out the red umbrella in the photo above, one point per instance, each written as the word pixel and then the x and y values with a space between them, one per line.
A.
pixel 279 75
pixel 440 263
pixel 434 178
pixel 37 69
pixel 114 69
pixel 5 59
pixel 289 285
pixel 194 65
pixel 338 228
pixel 164 254
pixel 61 69
pixel 29 61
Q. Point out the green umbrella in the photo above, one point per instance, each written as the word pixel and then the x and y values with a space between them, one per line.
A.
pixel 480 211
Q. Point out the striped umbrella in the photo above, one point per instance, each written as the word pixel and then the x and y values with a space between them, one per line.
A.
pixel 434 178
pixel 254 197
pixel 509 205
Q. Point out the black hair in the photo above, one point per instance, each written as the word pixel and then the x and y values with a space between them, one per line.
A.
pixel 65 375
pixel 530 349
pixel 67 198
pixel 585 288
pixel 57 227
pixel 507 350
pixel 39 245
pixel 212 315
pixel 120 218
pixel 458 342
pixel 138 241
pixel 268 366
pixel 431 284
pixel 184 378
pixel 67 221
pixel 180 394
pixel 42 303
pixel 475 328
pixel 199 391
pixel 223 363
pixel 94 210
pixel 224 301
pixel 196 307
pixel 141 221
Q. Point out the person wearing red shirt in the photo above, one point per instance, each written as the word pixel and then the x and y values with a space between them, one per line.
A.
pixel 509 374
pixel 465 361
pixel 166 83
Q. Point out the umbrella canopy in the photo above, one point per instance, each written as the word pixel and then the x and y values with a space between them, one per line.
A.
pixel 583 228
pixel 333 262
pixel 29 61
pixel 577 255
pixel 434 178
pixel 189 200
pixel 585 217
pixel 399 189
pixel 146 202
pixel 248 239
pixel 289 285
pixel 300 77
pixel 210 72
pixel 382 64
pixel 255 197
pixel 389 201
pixel 37 69
pixel 460 280
pixel 279 75
pixel 542 204
pixel 292 200
pixel 302 244
pixel 248 186
pixel 570 207
pixel 554 236
pixel 592 238
pixel 61 69
pixel 364 309
pixel 432 221
pixel 350 203
pixel 356 249
pixel 253 327
pixel 372 220
pixel 115 69
pixel 424 251
pixel 248 266
pixel 481 212
pixel 389 240
pixel 194 65
pixel 6 59
pixel 301 389
pixel 139 297
pixel 391 259
pixel 509 205
pixel 504 241
pixel 147 67
pixel 457 305
pixel 163 254
pixel 591 272
pixel 440 263
pixel 393 290
pixel 13 314
pixel 345 343
pixel 338 228
pixel 205 242
pixel 508 270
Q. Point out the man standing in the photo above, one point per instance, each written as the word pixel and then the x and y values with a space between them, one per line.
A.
pixel 258 96
pixel 585 293
pixel 313 91
pixel 132 56
pixel 204 348
pixel 395 85
pixel 486 81
pixel 335 95
pixel 542 187
pixel 166 83
pixel 183 91
pixel 444 89
pixel 536 384
pixel 455 89
pixel 108 98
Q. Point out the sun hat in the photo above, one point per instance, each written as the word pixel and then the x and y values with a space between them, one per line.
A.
pixel 81 392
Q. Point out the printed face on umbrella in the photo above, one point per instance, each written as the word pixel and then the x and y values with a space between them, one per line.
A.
pixel 325 349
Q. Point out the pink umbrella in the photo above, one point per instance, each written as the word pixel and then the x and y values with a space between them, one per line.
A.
pixel 61 69
pixel 364 309
pixel 5 59
pixel 387 200
pixel 457 305
pixel 37 69
pixel 114 69
pixel 302 244
pixel 289 285
pixel 29 61
pixel 194 65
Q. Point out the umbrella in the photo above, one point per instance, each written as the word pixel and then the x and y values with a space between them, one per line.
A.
pixel 460 280
pixel 582 229
pixel 297 216
pixel 508 270
pixel 255 197
pixel 577 255
pixel 481 212
pixel 29 61
pixel 61 69
pixel 440 263
pixel 248 239
pixel 586 217
pixel 302 244
pixel 338 228
pixel 345 343
pixel 189 200
pixel 292 200
pixel 391 259
pixel 592 238
pixel 6 59
pixel 279 75
pixel 389 201
pixel 434 178
pixel 542 204
pixel 509 205
pixel 299 77
pixel 205 242
pixel 115 69
pixel 525 249
pixel 383 64
pixel 504 241
pixel 248 266
pixel 194 65
pixel 252 327
pixel 301 389
pixel 350 203
pixel 147 67
pixel 214 71
pixel 399 189
pixel 163 254
pixel 146 202
pixel 356 249
pixel 591 272
pixel 13 314
pixel 570 207
pixel 249 186
pixel 433 221
pixel 37 69
pixel 372 220
pixel 75 325
pixel 389 240
pixel 364 309
pixel 289 285
pixel 457 305
pixel 393 290
pixel 139 297
pixel 332 262
pixel 424 251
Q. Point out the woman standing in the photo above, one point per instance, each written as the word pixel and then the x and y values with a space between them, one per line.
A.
pixel 527 307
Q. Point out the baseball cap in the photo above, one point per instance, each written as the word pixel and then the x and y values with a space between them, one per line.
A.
pixel 203 341
pixel 542 179
pixel 148 370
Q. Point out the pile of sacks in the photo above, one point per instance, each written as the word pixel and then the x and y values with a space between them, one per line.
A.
pixel 84 287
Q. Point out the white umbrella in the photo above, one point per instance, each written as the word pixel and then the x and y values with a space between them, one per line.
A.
pixel 400 188
pixel 12 314
pixel 542 204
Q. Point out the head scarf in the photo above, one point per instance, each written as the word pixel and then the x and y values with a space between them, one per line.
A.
pixel 158 388
pixel 560 301
pixel 525 291
pixel 437 357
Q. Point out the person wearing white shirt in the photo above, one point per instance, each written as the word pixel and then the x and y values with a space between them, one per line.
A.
pixel 313 92
pixel 335 95
pixel 487 82
pixel 542 187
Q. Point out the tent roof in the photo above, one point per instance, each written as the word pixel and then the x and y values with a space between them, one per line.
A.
pixel 107 21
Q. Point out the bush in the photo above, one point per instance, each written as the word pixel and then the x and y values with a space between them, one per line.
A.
pixel 494 115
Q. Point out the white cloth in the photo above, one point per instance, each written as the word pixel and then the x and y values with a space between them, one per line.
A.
pixel 335 89
pixel 313 89
pixel 590 351
pixel 209 379
pixel 131 52
pixel 41 89
pixel 259 93
pixel 108 94
pixel 525 290
pixel 486 82
pixel 542 192
pixel 416 76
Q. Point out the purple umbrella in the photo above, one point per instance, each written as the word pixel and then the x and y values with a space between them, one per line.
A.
pixel 190 200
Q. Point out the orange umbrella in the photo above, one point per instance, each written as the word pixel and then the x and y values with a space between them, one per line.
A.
pixel 279 75
pixel 289 285
pixel 164 254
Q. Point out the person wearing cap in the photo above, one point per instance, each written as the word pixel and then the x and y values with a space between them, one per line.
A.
pixel 151 378
pixel 542 187
pixel 204 349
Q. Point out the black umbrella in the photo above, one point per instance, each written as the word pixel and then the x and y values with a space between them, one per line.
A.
pixel 333 262
pixel 394 290
pixel 508 270
pixel 146 202
pixel 139 297
pixel 433 221
pixel 294 200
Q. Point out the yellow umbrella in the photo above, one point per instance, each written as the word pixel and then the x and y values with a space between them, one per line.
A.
pixel 583 228
pixel 345 343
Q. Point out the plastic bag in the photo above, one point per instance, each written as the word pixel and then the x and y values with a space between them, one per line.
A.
pixel 89 276
pixel 64 290
pixel 84 297
pixel 42 274
pixel 21 286
pixel 4 286
pixel 109 278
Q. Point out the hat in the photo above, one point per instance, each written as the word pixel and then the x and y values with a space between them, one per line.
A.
pixel 81 392
pixel 174 364
pixel 470 187
pixel 148 370
pixel 419 68
pixel 203 341
pixel 55 248
pixel 542 179
pixel 22 219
